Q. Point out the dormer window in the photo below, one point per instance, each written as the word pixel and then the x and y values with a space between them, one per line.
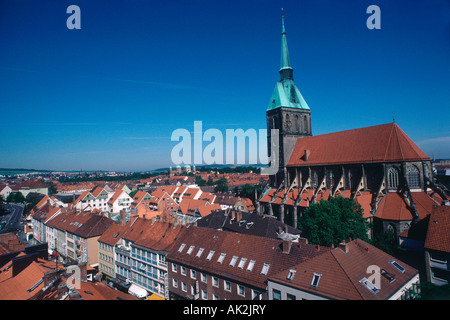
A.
pixel 181 247
pixel 291 274
pixel 233 261
pixel 210 254
pixel 190 249
pixel 222 256
pixel 315 280
pixel 265 269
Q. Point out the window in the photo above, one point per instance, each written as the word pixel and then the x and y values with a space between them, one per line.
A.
pixel 413 177
pixel 389 276
pixel 183 286
pixel 199 253
pixel 397 265
pixel 290 297
pixel 265 268
pixel 291 274
pixel 215 282
pixel 392 178
pixel 183 271
pixel 203 277
pixel 242 263
pixel 181 247
pixel 175 283
pixel 256 295
pixel 369 285
pixel 204 295
pixel 210 254
pixel 227 285
pixel 222 256
pixel 233 261
pixel 276 294
pixel 193 274
pixel 315 280
pixel 251 264
pixel 241 290
pixel 190 249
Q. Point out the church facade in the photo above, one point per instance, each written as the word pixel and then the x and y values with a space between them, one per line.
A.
pixel 378 166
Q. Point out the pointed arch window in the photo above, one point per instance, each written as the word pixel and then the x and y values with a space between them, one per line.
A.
pixel 413 177
pixel 393 178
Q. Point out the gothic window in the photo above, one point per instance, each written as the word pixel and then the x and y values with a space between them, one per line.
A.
pixel 393 178
pixel 413 176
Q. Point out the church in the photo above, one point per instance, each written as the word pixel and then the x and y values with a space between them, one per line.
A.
pixel 379 166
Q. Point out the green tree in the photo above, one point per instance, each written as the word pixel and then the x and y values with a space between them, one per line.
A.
pixel 331 221
pixel 15 197
pixel 51 189
pixel 200 181
pixel 385 241
pixel 2 206
pixel 221 185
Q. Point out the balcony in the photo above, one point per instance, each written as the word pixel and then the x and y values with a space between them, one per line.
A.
pixel 123 248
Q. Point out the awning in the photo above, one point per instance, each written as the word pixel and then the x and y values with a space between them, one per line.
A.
pixel 137 291
pixel 155 297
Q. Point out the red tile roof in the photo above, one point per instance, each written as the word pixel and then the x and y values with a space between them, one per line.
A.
pixel 438 232
pixel 253 248
pixel 394 207
pixel 381 143
pixel 341 273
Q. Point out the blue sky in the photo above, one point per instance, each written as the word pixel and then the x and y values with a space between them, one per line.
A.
pixel 109 96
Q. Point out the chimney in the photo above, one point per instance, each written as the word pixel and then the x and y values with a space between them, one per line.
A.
pixel 306 155
pixel 344 246
pixel 123 217
pixel 286 245
pixel 238 216
pixel 75 295
pixel 61 290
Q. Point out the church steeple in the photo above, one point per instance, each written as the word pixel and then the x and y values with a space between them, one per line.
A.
pixel 286 71
pixel 286 94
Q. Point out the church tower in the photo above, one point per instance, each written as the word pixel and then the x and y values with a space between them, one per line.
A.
pixel 288 112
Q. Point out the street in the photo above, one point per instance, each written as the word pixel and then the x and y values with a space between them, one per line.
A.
pixel 11 221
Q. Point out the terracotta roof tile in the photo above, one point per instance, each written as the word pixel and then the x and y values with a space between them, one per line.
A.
pixel 381 143
pixel 438 235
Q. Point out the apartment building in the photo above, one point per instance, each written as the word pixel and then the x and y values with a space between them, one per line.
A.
pixel 210 264
pixel 437 246
pixel 352 271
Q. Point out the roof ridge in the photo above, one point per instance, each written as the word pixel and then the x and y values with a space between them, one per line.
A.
pixel 345 272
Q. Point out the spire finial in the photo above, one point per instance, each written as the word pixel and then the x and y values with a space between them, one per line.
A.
pixel 393 116
pixel 285 61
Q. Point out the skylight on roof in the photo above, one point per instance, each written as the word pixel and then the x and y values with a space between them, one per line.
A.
pixel 251 264
pixel 369 285
pixel 397 265
pixel 190 249
pixel 242 263
pixel 199 253
pixel 210 254
pixel 233 261
pixel 265 268
pixel 222 256
pixel 181 247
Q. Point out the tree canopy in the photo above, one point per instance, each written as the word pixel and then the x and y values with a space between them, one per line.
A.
pixel 331 221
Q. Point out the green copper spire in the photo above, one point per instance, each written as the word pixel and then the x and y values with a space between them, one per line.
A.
pixel 286 94
pixel 285 61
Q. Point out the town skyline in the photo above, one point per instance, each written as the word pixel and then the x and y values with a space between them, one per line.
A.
pixel 109 96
